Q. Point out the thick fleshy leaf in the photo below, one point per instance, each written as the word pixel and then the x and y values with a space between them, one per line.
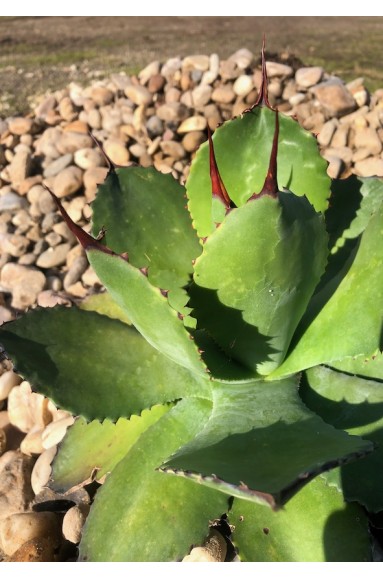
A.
pixel 256 274
pixel 315 526
pixel 93 365
pixel 141 515
pixel 350 324
pixel 261 443
pixel 103 304
pixel 242 147
pixel 90 451
pixel 363 366
pixel 144 214
pixel 355 405
pixel 353 202
pixel 147 308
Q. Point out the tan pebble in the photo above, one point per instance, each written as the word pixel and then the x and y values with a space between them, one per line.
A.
pixel 3 441
pixel 194 123
pixel 68 181
pixel 35 550
pixel 192 140
pixel 77 290
pixel 61 414
pixel 77 126
pixel 32 443
pixel 90 278
pixel 20 125
pixel 88 158
pixel 18 529
pixel 50 298
pixel 27 409
pixel 116 151
pixel 42 470
pixel 15 482
pixel 8 380
pixel 73 522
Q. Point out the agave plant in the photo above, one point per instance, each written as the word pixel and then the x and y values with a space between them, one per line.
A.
pixel 234 361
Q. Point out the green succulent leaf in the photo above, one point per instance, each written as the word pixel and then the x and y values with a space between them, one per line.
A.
pixel 242 147
pixel 350 323
pixel 353 202
pixel 144 214
pixel 93 365
pixel 139 514
pixel 256 274
pixel 261 443
pixel 103 304
pixel 90 451
pixel 363 366
pixel 353 404
pixel 147 308
pixel 315 526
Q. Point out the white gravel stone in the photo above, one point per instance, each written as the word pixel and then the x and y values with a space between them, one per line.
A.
pixel 8 380
pixel 371 167
pixel 27 409
pixel 243 85
pixel 42 470
pixel 55 431
pixel 54 256
pixel 23 282
pixel 138 94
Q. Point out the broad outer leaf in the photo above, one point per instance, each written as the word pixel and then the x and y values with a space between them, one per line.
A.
pixel 355 405
pixel 242 147
pixel 93 365
pixel 141 515
pixel 92 450
pixel 147 308
pixel 261 443
pixel 256 274
pixel 144 214
pixel 315 526
pixel 350 324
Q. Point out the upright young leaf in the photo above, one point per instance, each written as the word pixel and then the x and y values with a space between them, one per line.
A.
pixel 350 323
pixel 255 276
pixel 242 147
pixel 353 202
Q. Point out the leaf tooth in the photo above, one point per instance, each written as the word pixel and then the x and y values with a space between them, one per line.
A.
pixel 82 236
pixel 144 270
